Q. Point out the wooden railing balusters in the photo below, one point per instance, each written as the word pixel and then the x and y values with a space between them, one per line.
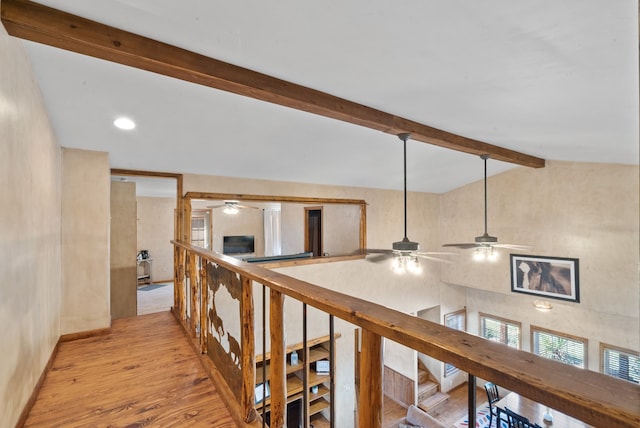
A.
pixel 264 346
pixel 370 404
pixel 305 372
pixel 332 373
pixel 204 304
pixel 247 338
pixel 193 283
pixel 278 375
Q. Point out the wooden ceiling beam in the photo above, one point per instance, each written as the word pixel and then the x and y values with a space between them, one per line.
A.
pixel 42 24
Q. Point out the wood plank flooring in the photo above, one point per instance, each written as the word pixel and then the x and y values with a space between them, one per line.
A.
pixel 142 373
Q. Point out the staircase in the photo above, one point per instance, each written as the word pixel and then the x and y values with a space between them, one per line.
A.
pixel 429 395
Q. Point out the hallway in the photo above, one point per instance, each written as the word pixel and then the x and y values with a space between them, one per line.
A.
pixel 143 372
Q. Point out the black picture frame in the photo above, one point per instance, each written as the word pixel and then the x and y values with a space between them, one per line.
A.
pixel 550 277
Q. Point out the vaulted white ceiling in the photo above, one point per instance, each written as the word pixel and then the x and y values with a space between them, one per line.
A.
pixel 557 80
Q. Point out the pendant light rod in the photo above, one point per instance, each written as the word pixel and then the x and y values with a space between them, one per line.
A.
pixel 404 137
pixel 485 157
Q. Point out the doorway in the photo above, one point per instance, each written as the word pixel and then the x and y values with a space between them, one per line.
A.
pixel 313 230
pixel 148 213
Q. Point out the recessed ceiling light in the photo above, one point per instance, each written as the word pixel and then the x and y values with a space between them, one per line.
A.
pixel 124 123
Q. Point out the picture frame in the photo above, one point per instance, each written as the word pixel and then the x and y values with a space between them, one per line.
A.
pixel 552 277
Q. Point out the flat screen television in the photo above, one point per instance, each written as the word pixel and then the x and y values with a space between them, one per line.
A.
pixel 241 244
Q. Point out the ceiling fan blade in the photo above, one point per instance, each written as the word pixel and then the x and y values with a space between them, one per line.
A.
pixel 433 259
pixel 377 251
pixel 378 258
pixel 246 206
pixel 216 206
pixel 463 246
pixel 513 246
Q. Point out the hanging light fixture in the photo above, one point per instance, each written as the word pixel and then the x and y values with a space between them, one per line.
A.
pixel 405 254
pixel 485 246
pixel 231 209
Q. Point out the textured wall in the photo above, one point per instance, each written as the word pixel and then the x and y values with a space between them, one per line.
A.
pixel 30 232
pixel 155 232
pixel 86 184
pixel 576 210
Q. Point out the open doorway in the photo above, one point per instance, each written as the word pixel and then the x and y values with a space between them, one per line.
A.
pixel 143 224
pixel 313 230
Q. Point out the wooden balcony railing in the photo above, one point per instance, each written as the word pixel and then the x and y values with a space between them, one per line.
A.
pixel 599 400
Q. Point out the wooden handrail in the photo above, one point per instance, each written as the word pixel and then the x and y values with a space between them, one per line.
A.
pixel 593 397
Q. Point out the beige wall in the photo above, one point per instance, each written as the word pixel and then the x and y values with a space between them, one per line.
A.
pixel 155 233
pixel 30 168
pixel 86 184
pixel 340 228
pixel 124 281
pixel 576 210
pixel 246 222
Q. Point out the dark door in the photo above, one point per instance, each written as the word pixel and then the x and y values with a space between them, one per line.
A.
pixel 313 235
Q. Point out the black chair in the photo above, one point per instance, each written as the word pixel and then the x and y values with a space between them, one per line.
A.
pixel 493 396
pixel 517 421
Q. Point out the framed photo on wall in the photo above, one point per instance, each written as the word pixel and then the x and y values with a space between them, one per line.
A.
pixel 552 277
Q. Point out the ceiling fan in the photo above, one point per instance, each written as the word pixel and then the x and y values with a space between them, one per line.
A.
pixel 405 253
pixel 232 207
pixel 485 245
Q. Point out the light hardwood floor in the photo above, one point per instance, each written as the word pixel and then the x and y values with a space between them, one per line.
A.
pixel 142 373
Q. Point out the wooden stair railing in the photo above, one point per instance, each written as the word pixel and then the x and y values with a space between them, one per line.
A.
pixel 595 398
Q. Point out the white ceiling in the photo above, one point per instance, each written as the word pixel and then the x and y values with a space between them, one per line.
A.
pixel 557 80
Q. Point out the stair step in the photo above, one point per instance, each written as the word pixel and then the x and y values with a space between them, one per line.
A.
pixel 423 376
pixel 426 390
pixel 433 401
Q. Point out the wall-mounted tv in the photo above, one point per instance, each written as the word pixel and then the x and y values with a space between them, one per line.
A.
pixel 241 244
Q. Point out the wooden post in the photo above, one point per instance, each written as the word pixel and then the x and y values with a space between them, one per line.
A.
pixel 278 377
pixel 471 394
pixel 180 283
pixel 248 349
pixel 176 279
pixel 204 303
pixel 370 403
pixel 193 282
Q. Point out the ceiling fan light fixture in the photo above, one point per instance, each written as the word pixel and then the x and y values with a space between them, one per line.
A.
pixel 487 253
pixel 231 208
pixel 486 246
pixel 404 263
pixel 406 245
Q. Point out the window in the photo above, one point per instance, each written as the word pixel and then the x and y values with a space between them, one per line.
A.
pixel 620 363
pixel 568 349
pixel 500 330
pixel 458 321
pixel 200 229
